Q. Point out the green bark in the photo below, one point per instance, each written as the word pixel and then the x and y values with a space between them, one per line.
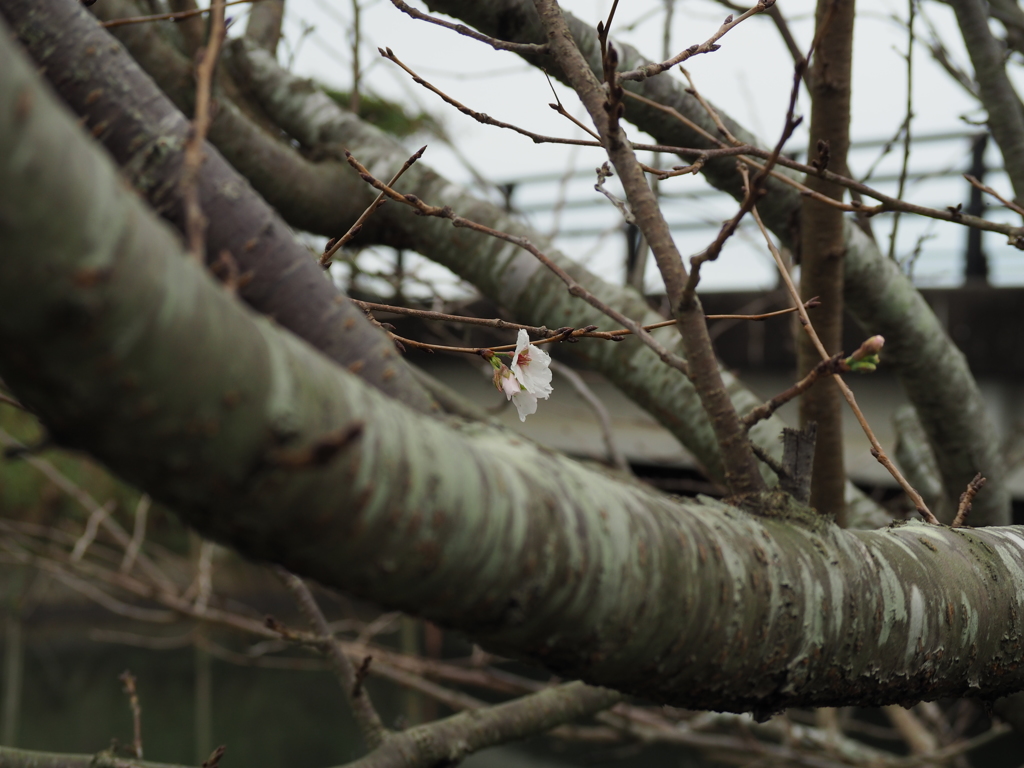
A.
pixel 953 413
pixel 127 349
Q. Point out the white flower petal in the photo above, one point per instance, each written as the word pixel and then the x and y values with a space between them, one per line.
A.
pixel 525 403
pixel 532 367
pixel 510 385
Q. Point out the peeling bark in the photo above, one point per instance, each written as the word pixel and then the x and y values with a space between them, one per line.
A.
pixel 146 133
pixel 949 404
pixel 528 552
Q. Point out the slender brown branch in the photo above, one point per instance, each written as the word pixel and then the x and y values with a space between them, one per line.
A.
pixel 708 46
pixel 752 189
pixel 534 330
pixel 500 45
pixel 966 498
pixel 167 16
pixel 574 288
pixel 605 107
pixel 557 106
pixel 1015 234
pixel 195 220
pixel 446 742
pixel 987 189
pixel 370 725
pixel 481 117
pixel 333 248
pixel 765 410
pixel 876 447
pixel 131 552
pixel 907 123
pixel 539 138
pixel 161 581
pixel 746 154
pixel 544 332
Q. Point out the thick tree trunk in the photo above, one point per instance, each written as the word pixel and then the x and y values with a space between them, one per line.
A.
pixel 917 347
pixel 128 349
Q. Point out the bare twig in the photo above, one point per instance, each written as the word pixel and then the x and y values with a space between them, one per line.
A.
pixel 987 189
pixel 1015 234
pixel 366 716
pixel 544 332
pixel 87 502
pixel 708 46
pixel 195 220
pixel 876 447
pixel 907 121
pixel 966 498
pixel 91 529
pixel 760 413
pixel 500 45
pixel 128 679
pixel 138 534
pixel 481 117
pixel 214 759
pixel 333 247
pixel 167 16
pixel 603 174
pixel 573 287
pixel 752 191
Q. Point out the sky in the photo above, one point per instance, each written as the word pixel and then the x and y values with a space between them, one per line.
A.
pixel 749 78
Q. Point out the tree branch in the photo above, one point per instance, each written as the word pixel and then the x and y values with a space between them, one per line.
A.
pixel 146 133
pixel 823 246
pixel 879 296
pixel 741 472
pixel 448 741
pixel 513 280
pixel 104 292
pixel 366 717
pixel 996 92
pixel 264 25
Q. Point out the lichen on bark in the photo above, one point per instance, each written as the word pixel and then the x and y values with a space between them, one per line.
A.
pixel 127 349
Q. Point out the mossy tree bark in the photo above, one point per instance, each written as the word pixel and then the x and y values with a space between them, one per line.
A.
pixel 127 349
pixel 281 279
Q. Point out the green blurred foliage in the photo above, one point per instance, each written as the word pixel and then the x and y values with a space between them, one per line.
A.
pixel 27 495
pixel 389 116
